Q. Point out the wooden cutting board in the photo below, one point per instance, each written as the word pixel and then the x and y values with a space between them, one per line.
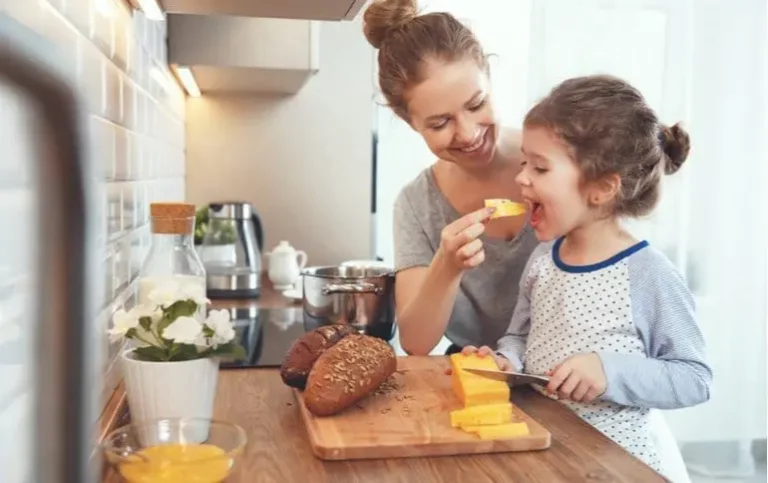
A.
pixel 412 420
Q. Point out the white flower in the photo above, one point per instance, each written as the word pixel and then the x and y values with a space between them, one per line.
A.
pixel 165 294
pixel 184 330
pixel 223 331
pixel 194 292
pixel 122 322
pixel 170 292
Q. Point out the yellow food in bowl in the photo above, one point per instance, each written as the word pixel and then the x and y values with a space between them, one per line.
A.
pixel 177 463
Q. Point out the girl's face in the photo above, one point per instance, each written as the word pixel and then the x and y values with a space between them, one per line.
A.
pixel 551 184
pixel 452 111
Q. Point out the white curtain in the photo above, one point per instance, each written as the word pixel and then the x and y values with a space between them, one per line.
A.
pixel 702 62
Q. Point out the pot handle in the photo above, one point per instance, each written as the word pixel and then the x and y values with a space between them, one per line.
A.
pixel 362 287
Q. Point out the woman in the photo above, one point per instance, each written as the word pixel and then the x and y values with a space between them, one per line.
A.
pixel 457 270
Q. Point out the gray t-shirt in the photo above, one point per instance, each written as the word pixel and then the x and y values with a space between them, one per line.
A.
pixel 487 294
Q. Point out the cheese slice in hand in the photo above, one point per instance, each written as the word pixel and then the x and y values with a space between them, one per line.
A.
pixel 505 207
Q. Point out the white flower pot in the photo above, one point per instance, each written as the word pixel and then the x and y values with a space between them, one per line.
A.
pixel 156 390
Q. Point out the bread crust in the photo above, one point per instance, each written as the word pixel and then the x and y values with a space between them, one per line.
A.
pixel 347 372
pixel 301 357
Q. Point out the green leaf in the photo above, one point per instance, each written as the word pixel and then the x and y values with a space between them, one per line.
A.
pixel 150 353
pixel 185 352
pixel 145 323
pixel 230 350
pixel 181 308
pixel 130 333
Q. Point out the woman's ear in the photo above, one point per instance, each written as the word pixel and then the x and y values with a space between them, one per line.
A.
pixel 604 190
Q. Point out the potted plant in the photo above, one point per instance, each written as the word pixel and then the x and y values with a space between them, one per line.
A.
pixel 172 369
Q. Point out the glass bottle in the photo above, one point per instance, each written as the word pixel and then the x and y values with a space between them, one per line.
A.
pixel 172 256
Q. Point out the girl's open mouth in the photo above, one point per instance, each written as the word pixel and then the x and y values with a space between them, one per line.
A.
pixel 536 213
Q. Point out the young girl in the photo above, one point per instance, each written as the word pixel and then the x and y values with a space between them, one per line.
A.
pixel 605 315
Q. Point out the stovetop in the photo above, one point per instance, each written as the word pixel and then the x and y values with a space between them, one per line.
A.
pixel 266 335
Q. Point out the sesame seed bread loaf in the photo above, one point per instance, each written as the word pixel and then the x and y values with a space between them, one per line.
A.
pixel 301 357
pixel 347 372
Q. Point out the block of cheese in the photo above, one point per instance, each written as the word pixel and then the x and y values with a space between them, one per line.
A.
pixel 472 389
pixel 479 415
pixel 499 431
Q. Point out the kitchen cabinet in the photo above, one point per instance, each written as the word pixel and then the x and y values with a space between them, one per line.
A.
pixel 295 9
pixel 241 54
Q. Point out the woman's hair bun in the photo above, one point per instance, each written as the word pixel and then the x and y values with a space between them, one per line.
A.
pixel 382 16
pixel 676 144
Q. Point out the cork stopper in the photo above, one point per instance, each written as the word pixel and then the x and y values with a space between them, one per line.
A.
pixel 172 218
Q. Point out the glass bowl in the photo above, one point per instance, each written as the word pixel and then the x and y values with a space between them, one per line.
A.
pixel 187 450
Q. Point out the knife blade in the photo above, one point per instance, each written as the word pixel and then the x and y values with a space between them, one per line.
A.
pixel 514 378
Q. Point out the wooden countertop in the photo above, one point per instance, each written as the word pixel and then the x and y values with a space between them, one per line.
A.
pixel 278 449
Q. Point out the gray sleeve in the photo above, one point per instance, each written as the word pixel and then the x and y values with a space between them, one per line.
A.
pixel 412 246
pixel 673 373
pixel 512 345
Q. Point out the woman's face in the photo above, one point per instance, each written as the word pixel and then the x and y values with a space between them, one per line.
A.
pixel 452 111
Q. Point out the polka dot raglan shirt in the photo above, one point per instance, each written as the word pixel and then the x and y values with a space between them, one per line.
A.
pixel 635 311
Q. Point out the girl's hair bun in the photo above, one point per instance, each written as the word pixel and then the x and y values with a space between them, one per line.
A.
pixel 676 144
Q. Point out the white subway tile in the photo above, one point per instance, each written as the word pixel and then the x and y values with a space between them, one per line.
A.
pixel 122 264
pixel 141 110
pixel 62 37
pixel 102 25
pixel 109 276
pixel 79 13
pixel 122 35
pixel 102 138
pixel 90 78
pixel 149 161
pixel 114 210
pixel 112 93
pixel 122 154
pixel 129 103
pixel 134 155
pixel 129 206
pixel 27 13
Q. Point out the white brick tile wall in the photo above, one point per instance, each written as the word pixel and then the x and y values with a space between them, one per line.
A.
pixel 136 140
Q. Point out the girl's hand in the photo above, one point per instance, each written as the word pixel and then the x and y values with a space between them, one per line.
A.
pixel 579 378
pixel 485 351
pixel 460 246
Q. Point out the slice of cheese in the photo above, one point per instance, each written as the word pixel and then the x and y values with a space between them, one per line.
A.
pixel 479 415
pixel 473 389
pixel 499 431
pixel 505 207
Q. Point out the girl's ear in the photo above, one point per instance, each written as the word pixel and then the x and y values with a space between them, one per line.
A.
pixel 604 190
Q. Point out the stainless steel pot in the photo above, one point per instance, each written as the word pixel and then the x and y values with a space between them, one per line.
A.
pixel 360 296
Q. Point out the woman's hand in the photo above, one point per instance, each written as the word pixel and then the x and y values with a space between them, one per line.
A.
pixel 460 246
pixel 485 351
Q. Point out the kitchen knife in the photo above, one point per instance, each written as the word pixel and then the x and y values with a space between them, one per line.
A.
pixel 514 378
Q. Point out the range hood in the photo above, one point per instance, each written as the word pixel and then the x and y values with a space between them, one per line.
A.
pixel 232 54
pixel 289 9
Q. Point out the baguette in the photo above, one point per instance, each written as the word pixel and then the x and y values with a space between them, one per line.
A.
pixel 301 357
pixel 347 372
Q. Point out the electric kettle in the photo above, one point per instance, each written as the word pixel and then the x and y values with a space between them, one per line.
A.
pixel 232 249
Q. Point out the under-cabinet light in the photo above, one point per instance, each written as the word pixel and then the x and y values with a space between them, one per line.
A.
pixel 187 79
